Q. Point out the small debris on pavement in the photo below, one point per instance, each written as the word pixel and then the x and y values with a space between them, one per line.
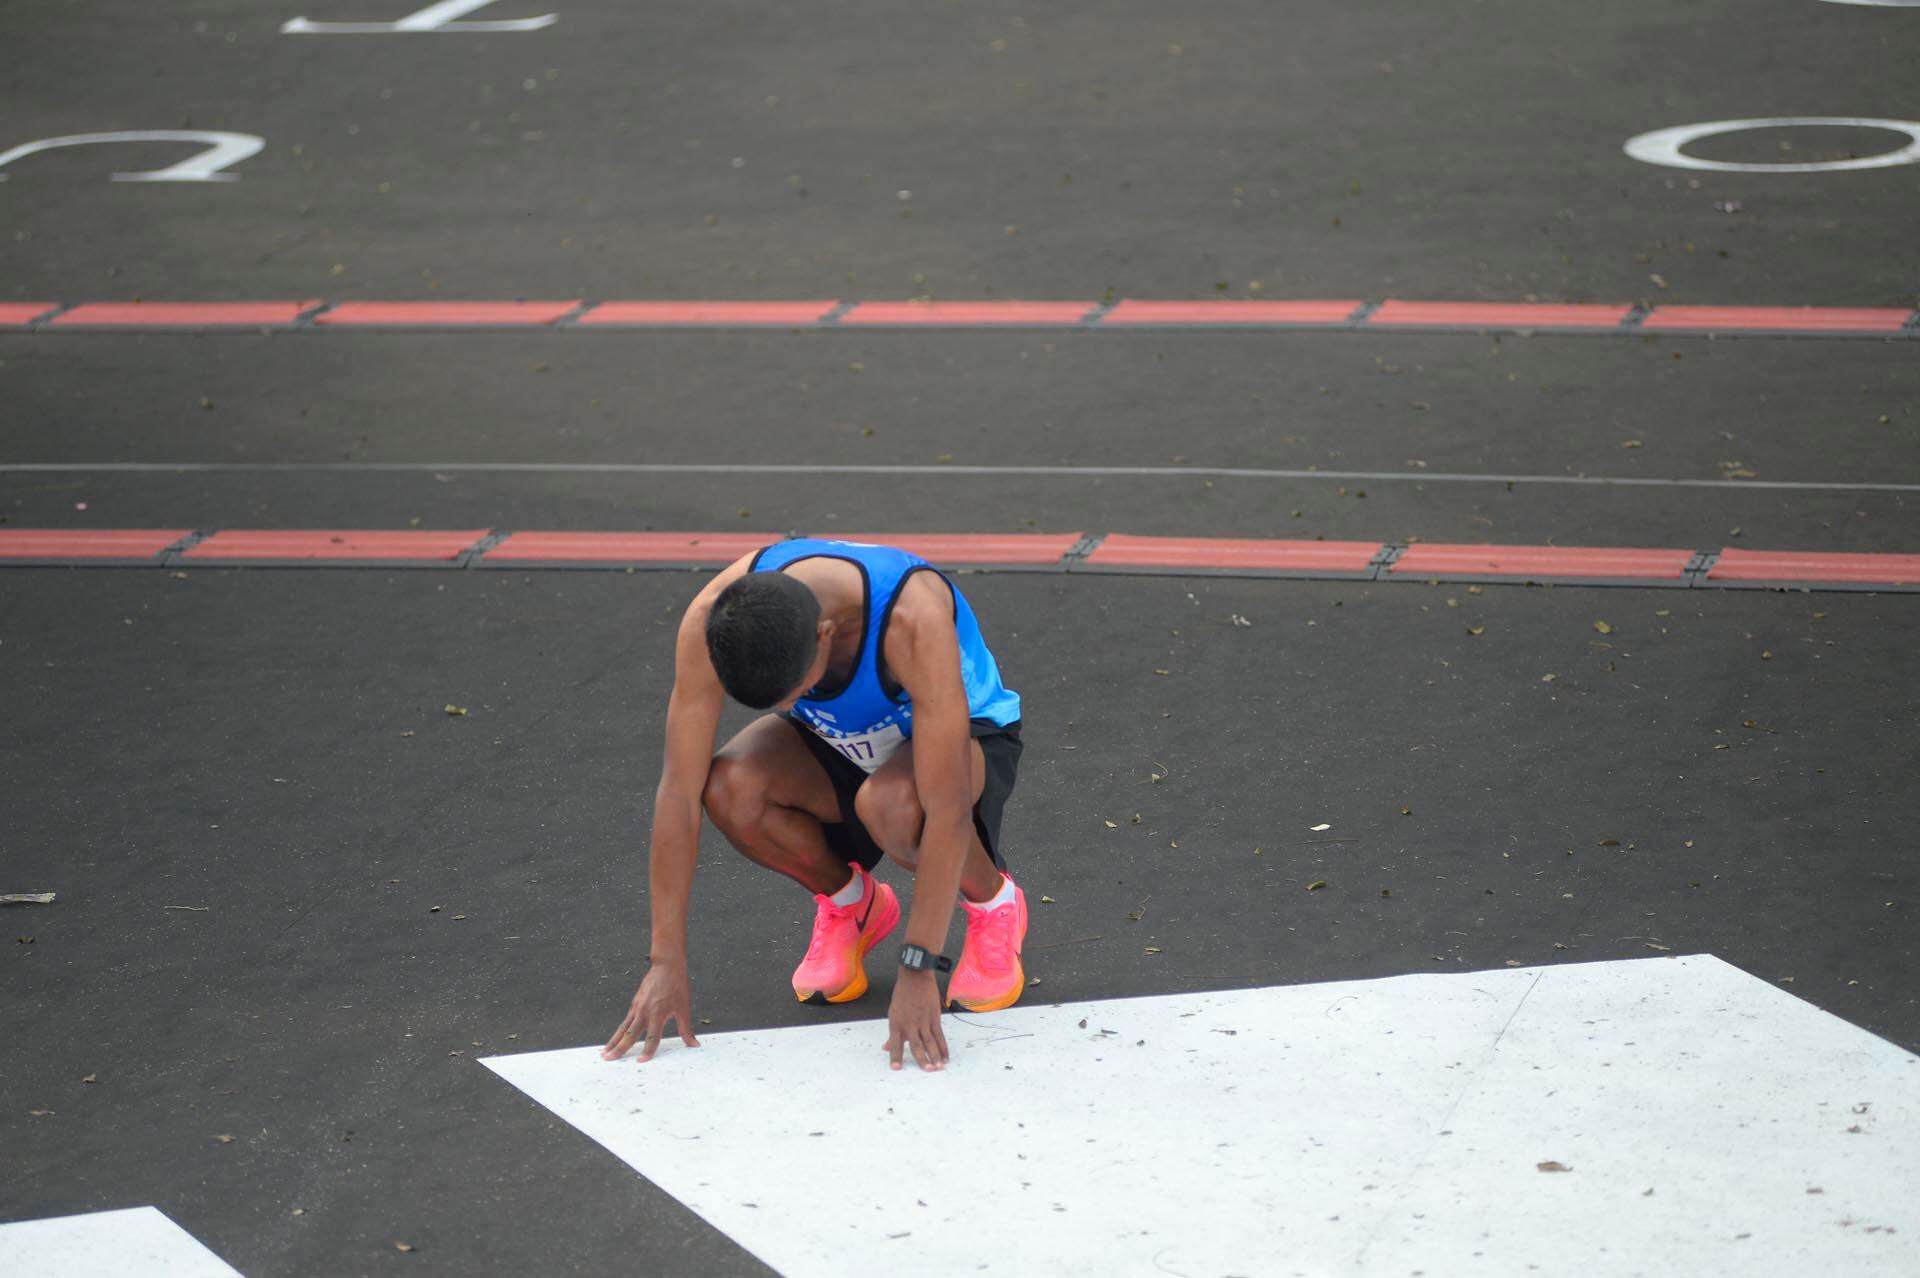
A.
pixel 1316 885
pixel 456 710
pixel 26 898
pixel 1552 1165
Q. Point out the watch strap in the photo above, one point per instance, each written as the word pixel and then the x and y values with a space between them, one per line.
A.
pixel 917 958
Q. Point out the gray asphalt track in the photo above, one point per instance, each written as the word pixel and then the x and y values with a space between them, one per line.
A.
pixel 234 741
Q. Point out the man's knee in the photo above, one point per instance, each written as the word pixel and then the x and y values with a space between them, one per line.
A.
pixel 890 809
pixel 735 792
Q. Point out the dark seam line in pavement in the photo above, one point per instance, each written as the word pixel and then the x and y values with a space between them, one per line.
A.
pixel 477 551
pixel 833 316
pixel 1912 327
pixel 1099 312
pixel 1634 318
pixel 304 320
pixel 573 316
pixel 1031 472
pixel 1361 314
pixel 1699 566
pixel 1384 559
pixel 170 557
pixel 39 322
pixel 1077 553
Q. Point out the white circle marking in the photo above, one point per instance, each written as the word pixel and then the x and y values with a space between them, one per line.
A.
pixel 1662 146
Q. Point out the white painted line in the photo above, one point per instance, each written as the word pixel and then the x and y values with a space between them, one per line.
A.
pixel 1711 1125
pixel 995 472
pixel 139 1242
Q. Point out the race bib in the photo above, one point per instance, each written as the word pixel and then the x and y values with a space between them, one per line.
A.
pixel 868 750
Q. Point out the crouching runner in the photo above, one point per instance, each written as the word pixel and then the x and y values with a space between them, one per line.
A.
pixel 891 734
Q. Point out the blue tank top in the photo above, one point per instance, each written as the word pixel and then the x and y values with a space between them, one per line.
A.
pixel 862 720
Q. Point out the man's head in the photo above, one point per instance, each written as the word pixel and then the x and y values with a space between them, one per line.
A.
pixel 763 637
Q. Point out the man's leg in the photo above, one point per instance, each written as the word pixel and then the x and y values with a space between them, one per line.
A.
pixel 768 795
pixel 888 804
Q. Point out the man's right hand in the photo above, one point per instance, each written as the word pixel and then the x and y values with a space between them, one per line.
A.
pixel 663 996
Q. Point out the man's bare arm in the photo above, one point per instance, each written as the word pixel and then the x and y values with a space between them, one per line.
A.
pixel 693 720
pixel 923 651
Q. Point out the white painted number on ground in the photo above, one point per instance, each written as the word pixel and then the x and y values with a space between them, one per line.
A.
pixel 435 17
pixel 223 151
pixel 1663 146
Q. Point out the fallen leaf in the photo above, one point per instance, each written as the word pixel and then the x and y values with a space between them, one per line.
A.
pixel 40 1113
pixel 224 1140
pixel 400 1246
pixel 1548 678
pixel 407 733
pixel 453 709
pixel 1317 828
pixel 1766 655
pixel 91 1078
pixel 1603 627
pixel 1046 900
pixel 1476 630
pixel 1316 885
pixel 1111 826
pixel 1161 672
pixel 1630 443
pixel 1476 590
pixel 1405 810
pixel 1552 1166
pixel 1153 949
pixel 1609 843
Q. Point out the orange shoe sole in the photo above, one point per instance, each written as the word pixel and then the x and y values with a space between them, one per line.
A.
pixel 1004 1001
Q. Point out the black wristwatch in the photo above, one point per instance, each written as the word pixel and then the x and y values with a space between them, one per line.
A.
pixel 916 959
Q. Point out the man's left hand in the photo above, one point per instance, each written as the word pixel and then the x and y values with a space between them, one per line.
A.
pixel 913 1021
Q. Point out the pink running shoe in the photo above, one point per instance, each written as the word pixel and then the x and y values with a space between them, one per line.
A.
pixel 988 976
pixel 835 969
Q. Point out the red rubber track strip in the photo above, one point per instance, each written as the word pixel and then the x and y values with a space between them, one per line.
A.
pixel 87 543
pixel 960 314
pixel 1228 310
pixel 407 545
pixel 182 315
pixel 20 314
pixel 445 314
pixel 1432 559
pixel 1122 551
pixel 694 314
pixel 1774 319
pixel 1815 566
pixel 986 549
pixel 1511 315
pixel 626 548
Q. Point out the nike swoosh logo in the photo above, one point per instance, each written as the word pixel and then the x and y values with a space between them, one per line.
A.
pixel 872 900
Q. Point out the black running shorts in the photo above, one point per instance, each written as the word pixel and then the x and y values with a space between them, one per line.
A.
pixel 849 839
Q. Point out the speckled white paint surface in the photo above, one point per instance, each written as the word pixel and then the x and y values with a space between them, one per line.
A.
pixel 1711 1124
pixel 139 1242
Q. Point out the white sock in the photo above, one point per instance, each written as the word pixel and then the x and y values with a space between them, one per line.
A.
pixel 855 889
pixel 1003 897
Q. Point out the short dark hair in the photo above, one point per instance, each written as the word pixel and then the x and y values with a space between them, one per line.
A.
pixel 762 636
